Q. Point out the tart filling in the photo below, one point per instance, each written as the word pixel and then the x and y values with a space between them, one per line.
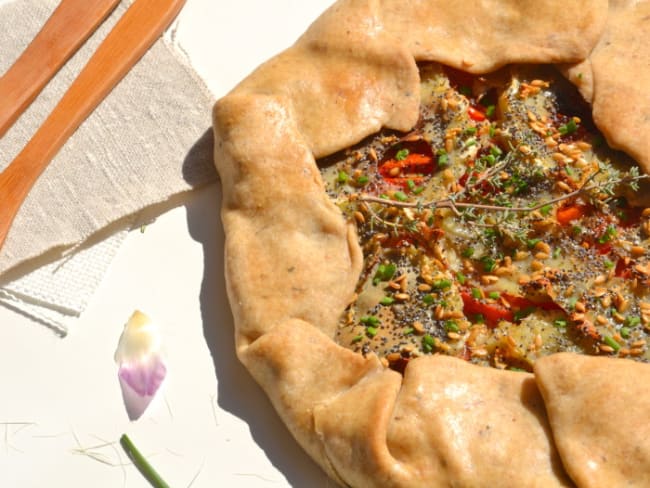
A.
pixel 499 230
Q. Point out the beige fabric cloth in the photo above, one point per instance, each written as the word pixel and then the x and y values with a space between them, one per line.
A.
pixel 149 140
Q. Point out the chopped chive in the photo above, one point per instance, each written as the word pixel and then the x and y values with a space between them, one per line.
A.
pixel 468 252
pixel 560 323
pixel 369 320
pixel 342 177
pixel 356 339
pixel 387 301
pixel 141 463
pixel 632 321
pixel 490 110
pixel 608 264
pixel 461 278
pixel 608 235
pixel 451 326
pixel 611 343
pixel 470 142
pixel 476 293
pixel 428 343
pixel 410 184
pixel 362 180
pixel 428 299
pixel 569 128
pixel 625 332
pixel 443 158
pixel 371 331
pixel 494 295
pixel 400 196
pixel 533 242
pixel 442 284
pixel 409 331
pixel 489 264
pixel 402 154
pixel 470 131
pixel 384 272
pixel 418 190
pixel 546 210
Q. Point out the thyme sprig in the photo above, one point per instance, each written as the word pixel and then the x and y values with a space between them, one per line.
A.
pixel 450 202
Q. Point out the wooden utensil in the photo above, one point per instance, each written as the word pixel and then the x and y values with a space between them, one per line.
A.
pixel 140 26
pixel 65 31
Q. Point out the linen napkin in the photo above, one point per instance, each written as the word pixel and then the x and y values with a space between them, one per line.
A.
pixel 148 141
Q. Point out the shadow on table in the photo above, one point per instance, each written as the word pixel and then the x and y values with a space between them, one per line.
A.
pixel 237 391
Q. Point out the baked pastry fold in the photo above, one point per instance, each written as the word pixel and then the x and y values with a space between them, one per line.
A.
pixel 292 261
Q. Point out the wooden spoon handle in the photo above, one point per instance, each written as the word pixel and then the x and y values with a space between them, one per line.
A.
pixel 68 27
pixel 140 26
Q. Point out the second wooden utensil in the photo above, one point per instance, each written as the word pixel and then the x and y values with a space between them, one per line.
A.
pixel 140 26
pixel 67 28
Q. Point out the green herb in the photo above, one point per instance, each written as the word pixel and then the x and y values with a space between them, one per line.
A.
pixel 410 184
pixel 461 278
pixel 428 343
pixel 490 111
pixel 546 210
pixel 356 339
pixel 428 299
pixel 442 284
pixel 476 293
pixel 632 321
pixel 468 252
pixel 610 233
pixel 384 272
pixel 451 326
pixel 489 264
pixel 371 331
pixel 560 323
pixel 470 131
pixel 362 180
pixel 387 301
pixel 402 154
pixel 409 331
pixel 343 177
pixel 569 128
pixel 533 242
pixel 400 196
pixel 369 320
pixel 494 295
pixel 611 343
pixel 141 463
pixel 608 264
pixel 443 158
pixel 625 332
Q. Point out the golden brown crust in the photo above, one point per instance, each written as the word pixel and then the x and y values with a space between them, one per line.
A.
pixel 598 409
pixel 617 77
pixel 292 262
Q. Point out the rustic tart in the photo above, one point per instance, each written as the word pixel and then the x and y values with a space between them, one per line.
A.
pixel 436 249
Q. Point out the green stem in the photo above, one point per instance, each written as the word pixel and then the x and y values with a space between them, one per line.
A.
pixel 141 463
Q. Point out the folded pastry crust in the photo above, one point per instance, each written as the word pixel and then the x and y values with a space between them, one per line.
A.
pixel 292 261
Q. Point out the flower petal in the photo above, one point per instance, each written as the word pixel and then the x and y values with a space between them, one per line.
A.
pixel 143 377
pixel 141 367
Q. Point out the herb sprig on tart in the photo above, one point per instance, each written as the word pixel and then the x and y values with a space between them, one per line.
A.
pixel 499 230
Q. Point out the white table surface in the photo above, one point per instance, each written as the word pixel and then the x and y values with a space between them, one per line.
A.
pixel 61 410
